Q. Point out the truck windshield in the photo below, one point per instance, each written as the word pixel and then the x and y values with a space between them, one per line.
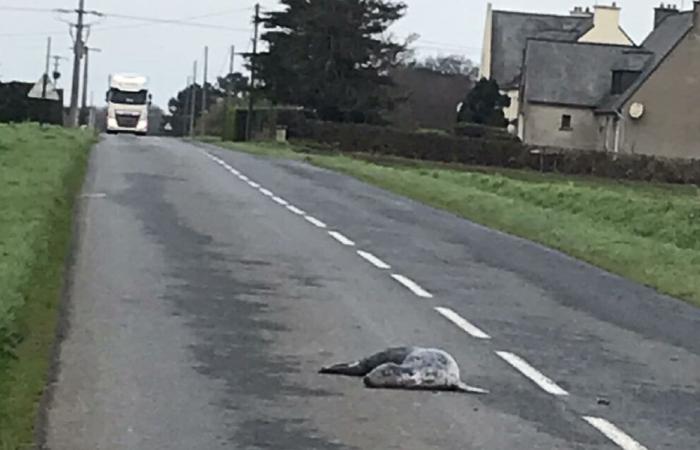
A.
pixel 129 98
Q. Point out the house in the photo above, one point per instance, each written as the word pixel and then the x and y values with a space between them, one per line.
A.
pixel 565 83
pixel 611 96
pixel 507 34
pixel 659 113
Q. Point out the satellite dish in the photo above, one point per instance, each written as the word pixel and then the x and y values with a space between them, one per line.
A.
pixel 636 110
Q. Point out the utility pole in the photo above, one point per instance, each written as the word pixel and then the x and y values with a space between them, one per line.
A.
pixel 204 90
pixel 251 94
pixel 229 94
pixel 193 104
pixel 45 81
pixel 186 108
pixel 86 53
pixel 77 55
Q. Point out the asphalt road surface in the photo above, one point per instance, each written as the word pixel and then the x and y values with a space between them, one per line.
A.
pixel 210 286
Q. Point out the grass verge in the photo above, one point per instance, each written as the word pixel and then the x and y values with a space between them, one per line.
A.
pixel 649 233
pixel 41 172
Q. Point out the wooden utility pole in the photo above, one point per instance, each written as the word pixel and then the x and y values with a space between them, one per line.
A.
pixel 45 80
pixel 229 94
pixel 204 90
pixel 77 56
pixel 251 93
pixel 186 108
pixel 86 68
pixel 193 101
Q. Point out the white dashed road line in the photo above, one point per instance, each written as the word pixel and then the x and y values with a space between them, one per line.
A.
pixel 341 238
pixel 280 201
pixel 613 433
pixel 296 210
pixel 412 286
pixel 376 262
pixel 314 221
pixel 266 192
pixel 254 185
pixel 462 323
pixel 533 374
pixel 244 178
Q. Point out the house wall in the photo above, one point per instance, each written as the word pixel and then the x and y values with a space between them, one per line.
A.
pixel 606 28
pixel 485 69
pixel 542 126
pixel 670 125
pixel 513 110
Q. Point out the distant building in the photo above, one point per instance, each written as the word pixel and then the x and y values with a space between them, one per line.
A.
pixel 507 34
pixel 574 90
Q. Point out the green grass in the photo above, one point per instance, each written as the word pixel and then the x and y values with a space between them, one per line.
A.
pixel 41 171
pixel 646 232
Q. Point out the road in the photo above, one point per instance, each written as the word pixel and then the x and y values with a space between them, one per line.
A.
pixel 210 286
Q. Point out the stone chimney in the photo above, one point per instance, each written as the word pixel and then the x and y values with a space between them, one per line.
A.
pixel 664 11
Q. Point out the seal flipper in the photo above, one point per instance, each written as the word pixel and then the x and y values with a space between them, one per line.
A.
pixel 463 387
pixel 363 367
pixel 355 369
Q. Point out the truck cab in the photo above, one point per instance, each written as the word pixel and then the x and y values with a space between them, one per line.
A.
pixel 128 102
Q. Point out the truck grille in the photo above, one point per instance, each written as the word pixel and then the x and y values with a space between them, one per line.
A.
pixel 128 121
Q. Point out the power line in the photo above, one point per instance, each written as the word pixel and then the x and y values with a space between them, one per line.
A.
pixel 202 16
pixel 24 9
pixel 173 22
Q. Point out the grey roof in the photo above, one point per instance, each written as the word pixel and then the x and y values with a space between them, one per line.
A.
pixel 660 42
pixel 576 74
pixel 511 31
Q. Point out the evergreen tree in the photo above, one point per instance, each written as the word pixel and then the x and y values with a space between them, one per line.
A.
pixel 331 56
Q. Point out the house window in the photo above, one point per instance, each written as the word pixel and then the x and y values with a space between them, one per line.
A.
pixel 622 80
pixel 566 122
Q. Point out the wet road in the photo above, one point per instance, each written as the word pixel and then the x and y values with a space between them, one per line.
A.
pixel 210 286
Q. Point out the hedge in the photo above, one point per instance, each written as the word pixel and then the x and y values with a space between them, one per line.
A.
pixel 499 152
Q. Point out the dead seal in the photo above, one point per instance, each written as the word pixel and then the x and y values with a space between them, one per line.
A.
pixel 412 368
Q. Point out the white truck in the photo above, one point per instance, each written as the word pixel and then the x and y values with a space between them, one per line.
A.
pixel 128 101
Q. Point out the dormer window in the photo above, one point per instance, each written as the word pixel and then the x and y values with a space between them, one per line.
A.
pixel 622 80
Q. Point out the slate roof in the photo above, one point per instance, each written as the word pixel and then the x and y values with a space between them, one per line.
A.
pixel 660 42
pixel 576 74
pixel 511 31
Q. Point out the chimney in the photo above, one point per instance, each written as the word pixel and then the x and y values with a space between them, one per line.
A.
pixel 578 11
pixel 662 12
pixel 606 17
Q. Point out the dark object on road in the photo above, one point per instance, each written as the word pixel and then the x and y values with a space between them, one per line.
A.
pixel 411 368
pixel 603 401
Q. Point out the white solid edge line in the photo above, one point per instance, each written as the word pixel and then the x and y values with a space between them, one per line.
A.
pixel 533 374
pixel 280 201
pixel 341 238
pixel 315 221
pixel 613 433
pixel 296 210
pixel 376 262
pixel 266 192
pixel 462 323
pixel 412 286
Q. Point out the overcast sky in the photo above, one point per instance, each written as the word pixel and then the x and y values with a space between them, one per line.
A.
pixel 165 52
